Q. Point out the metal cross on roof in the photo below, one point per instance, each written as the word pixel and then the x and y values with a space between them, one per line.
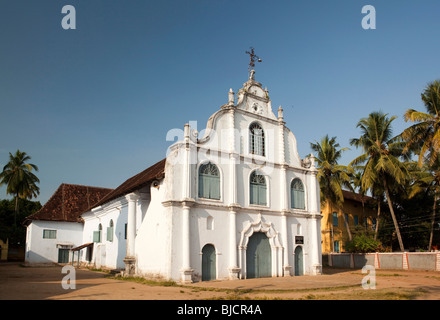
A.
pixel 253 58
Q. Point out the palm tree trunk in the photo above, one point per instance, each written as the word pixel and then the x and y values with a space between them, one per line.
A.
pixel 390 205
pixel 330 221
pixel 432 222
pixel 377 219
pixel 347 227
pixel 16 210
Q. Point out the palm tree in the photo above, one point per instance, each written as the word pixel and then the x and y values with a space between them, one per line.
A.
pixel 424 136
pixel 424 139
pixel 380 158
pixel 331 176
pixel 428 180
pixel 18 177
pixel 376 191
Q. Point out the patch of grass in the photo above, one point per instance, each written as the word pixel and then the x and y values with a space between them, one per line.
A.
pixel 163 283
pixel 381 294
pixel 99 270
pixel 231 297
pixel 382 274
pixel 248 291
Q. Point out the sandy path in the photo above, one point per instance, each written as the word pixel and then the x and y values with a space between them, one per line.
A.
pixel 29 283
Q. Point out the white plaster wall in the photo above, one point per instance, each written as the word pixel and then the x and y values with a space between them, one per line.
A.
pixel 107 254
pixel 153 240
pixel 200 235
pixel 218 237
pixel 39 250
pixel 291 149
pixel 176 259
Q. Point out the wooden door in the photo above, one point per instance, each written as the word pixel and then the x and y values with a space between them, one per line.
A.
pixel 63 255
pixel 208 263
pixel 299 264
pixel 258 256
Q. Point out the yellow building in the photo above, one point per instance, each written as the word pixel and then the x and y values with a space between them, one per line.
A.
pixel 357 211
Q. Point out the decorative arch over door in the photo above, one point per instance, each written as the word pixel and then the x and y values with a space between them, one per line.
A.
pixel 274 242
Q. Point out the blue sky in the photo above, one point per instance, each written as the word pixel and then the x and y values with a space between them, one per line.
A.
pixel 92 106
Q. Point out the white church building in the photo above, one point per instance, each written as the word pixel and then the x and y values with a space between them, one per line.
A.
pixel 234 201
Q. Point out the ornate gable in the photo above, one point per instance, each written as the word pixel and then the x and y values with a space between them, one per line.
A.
pixel 253 98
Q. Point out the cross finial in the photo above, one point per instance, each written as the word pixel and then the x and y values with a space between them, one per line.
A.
pixel 253 58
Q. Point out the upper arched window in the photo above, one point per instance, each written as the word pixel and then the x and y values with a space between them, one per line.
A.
pixel 256 139
pixel 297 194
pixel 209 181
pixel 258 189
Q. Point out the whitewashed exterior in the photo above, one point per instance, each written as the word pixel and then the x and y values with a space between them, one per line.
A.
pixel 172 224
pixel 162 228
pixel 40 250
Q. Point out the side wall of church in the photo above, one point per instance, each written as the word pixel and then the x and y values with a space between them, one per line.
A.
pixel 153 239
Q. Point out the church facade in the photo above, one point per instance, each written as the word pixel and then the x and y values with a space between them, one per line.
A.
pixel 234 201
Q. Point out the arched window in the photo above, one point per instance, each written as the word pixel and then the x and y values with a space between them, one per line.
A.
pixel 297 194
pixel 209 181
pixel 97 234
pixel 110 231
pixel 258 189
pixel 256 139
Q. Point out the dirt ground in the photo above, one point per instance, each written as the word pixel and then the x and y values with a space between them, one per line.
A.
pixel 29 283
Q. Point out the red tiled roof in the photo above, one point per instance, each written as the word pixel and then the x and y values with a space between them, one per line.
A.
pixel 68 202
pixel 156 171
pixel 348 195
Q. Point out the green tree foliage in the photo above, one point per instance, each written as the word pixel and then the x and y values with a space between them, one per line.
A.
pixel 331 175
pixel 380 158
pixel 19 179
pixel 364 242
pixel 423 138
pixel 16 233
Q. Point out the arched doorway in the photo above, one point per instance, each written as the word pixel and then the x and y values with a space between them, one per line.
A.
pixel 299 264
pixel 208 263
pixel 258 256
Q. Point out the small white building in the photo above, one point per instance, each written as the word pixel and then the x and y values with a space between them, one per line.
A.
pixel 234 201
pixel 57 227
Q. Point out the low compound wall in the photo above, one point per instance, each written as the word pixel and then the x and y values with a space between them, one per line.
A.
pixel 395 260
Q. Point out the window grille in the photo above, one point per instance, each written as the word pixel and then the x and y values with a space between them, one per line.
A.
pixel 209 181
pixel 49 234
pixel 297 194
pixel 256 139
pixel 258 189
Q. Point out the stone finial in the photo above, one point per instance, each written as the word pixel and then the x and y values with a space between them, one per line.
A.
pixel 280 114
pixel 186 130
pixel 231 97
pixel 312 161
pixel 252 76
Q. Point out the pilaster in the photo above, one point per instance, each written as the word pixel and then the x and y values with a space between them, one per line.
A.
pixel 186 270
pixel 130 258
pixel 234 270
